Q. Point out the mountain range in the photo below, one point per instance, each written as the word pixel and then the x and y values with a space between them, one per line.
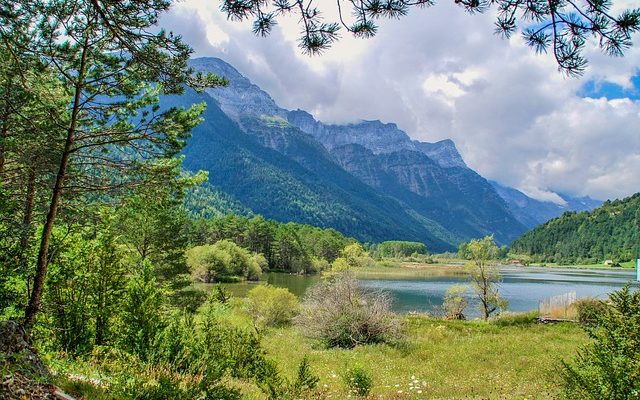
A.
pixel 369 179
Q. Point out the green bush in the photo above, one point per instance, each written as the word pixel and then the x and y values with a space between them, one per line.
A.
pixel 209 349
pixel 358 380
pixel 589 309
pixel 388 264
pixel 141 318
pixel 317 265
pixel 271 306
pixel 609 366
pixel 220 294
pixel 224 261
pixel 306 380
pixel 516 319
pixel 455 302
pixel 188 299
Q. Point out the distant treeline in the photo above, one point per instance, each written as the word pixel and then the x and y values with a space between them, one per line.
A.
pixel 397 249
pixel 608 232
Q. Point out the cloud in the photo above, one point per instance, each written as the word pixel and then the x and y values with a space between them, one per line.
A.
pixel 441 73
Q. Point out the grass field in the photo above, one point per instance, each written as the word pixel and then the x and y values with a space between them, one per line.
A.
pixel 445 359
pixel 510 358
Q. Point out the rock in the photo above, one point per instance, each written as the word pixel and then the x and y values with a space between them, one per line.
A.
pixel 13 340
pixel 12 337
pixel 26 370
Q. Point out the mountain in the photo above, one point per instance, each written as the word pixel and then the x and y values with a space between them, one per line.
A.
pixel 531 212
pixel 429 180
pixel 611 231
pixel 369 180
pixel 270 183
pixel 430 177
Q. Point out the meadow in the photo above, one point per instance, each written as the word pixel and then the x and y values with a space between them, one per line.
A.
pixel 509 357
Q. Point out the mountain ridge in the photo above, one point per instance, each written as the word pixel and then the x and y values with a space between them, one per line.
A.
pixel 422 191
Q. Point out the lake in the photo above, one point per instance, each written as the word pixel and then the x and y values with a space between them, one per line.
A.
pixel 522 287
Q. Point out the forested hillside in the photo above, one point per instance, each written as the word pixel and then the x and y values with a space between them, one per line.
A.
pixel 608 232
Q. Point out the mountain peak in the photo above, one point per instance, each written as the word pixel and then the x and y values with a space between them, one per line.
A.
pixel 443 152
pixel 241 96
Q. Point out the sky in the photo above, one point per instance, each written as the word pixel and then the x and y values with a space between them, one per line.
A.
pixel 442 73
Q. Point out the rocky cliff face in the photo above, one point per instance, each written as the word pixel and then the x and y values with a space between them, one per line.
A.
pixel 375 136
pixel 240 98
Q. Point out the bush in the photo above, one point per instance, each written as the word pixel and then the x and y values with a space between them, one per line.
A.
pixel 589 309
pixel 388 264
pixel 516 319
pixel 208 350
pixel 141 318
pixel 271 306
pixel 317 265
pixel 609 366
pixel 305 379
pixel 358 380
pixel 455 302
pixel 224 261
pixel 340 314
pixel 188 299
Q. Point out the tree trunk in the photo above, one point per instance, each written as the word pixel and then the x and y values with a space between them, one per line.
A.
pixel 27 218
pixel 28 214
pixel 43 262
pixel 4 130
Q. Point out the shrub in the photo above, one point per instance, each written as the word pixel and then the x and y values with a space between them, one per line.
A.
pixel 141 313
pixel 358 380
pixel 188 299
pixel 305 379
pixel 609 366
pixel 208 350
pixel 318 265
pixel 516 319
pixel 340 314
pixel 455 302
pixel 224 261
pixel 356 257
pixel 589 309
pixel 271 306
pixel 388 264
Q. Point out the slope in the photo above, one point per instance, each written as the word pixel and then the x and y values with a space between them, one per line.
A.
pixel 608 232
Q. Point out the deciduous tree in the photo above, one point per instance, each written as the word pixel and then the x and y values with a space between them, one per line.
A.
pixel 485 277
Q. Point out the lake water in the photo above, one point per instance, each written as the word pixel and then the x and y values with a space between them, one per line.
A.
pixel 522 287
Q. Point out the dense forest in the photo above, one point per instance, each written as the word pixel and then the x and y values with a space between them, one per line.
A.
pixel 608 232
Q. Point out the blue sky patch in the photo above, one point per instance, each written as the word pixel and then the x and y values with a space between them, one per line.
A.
pixel 611 90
